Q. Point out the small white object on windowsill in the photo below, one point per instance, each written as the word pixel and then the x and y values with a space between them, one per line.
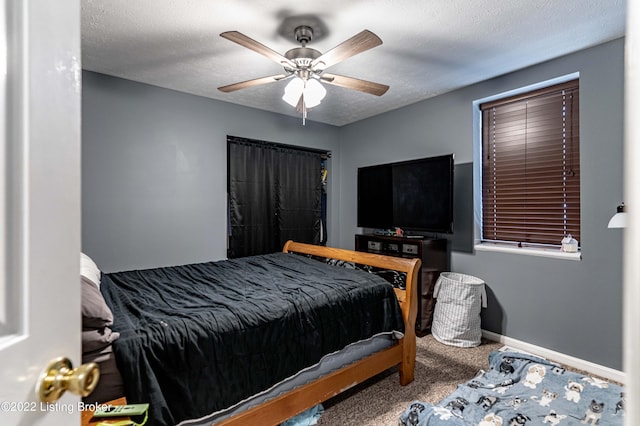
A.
pixel 569 244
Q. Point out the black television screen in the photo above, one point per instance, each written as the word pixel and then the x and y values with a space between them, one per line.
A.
pixel 412 195
pixel 375 197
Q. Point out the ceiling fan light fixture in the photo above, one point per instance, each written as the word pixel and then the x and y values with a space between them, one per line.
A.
pixel 314 93
pixel 312 90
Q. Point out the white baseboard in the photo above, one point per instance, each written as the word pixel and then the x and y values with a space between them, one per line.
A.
pixel 570 361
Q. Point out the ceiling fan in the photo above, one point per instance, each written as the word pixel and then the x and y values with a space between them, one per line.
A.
pixel 306 67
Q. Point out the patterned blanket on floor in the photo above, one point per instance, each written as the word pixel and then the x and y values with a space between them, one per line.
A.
pixel 523 390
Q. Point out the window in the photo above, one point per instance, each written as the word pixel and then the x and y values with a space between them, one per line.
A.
pixel 531 167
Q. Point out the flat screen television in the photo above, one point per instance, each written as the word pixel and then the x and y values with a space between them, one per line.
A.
pixel 413 195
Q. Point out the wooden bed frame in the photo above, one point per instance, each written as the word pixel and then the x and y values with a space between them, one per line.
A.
pixel 402 354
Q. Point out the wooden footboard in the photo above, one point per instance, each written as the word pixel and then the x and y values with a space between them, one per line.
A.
pixel 403 354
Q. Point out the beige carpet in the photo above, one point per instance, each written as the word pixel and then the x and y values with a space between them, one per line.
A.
pixel 381 400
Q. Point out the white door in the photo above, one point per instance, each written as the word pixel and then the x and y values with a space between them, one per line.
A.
pixel 40 84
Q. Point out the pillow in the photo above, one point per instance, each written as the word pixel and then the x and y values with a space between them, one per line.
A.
pixel 110 385
pixel 96 339
pixel 95 312
pixel 89 269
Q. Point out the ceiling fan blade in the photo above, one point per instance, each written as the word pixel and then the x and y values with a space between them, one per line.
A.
pixel 355 84
pixel 250 83
pixel 249 43
pixel 359 43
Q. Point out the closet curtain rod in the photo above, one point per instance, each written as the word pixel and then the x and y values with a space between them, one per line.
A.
pixel 236 139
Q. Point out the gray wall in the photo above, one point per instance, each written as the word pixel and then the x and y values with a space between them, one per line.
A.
pixel 154 171
pixel 567 306
pixel 154 182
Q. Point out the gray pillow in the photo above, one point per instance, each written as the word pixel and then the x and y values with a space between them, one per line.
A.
pixel 110 385
pixel 95 312
pixel 96 339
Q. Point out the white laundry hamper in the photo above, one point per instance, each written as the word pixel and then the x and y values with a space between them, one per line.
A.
pixel 456 316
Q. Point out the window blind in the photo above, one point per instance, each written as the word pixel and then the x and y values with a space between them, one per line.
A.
pixel 531 166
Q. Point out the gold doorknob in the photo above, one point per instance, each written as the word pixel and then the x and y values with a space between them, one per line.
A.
pixel 60 376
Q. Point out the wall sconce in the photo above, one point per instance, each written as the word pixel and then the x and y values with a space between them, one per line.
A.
pixel 619 220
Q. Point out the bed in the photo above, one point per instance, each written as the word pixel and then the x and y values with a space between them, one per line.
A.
pixel 521 389
pixel 277 335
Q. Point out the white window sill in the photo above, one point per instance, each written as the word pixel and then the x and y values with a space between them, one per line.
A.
pixel 529 251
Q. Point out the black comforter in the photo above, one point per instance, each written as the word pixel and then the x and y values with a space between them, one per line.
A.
pixel 198 338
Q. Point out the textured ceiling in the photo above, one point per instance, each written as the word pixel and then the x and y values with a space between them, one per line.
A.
pixel 429 47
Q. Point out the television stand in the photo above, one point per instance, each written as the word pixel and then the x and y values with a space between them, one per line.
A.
pixel 434 255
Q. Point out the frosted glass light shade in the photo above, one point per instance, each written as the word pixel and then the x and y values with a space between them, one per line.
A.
pixel 619 220
pixel 293 91
pixel 312 91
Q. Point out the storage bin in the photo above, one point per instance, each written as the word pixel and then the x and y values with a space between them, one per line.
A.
pixel 456 316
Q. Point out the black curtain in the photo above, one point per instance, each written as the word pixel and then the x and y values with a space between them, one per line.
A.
pixel 274 194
